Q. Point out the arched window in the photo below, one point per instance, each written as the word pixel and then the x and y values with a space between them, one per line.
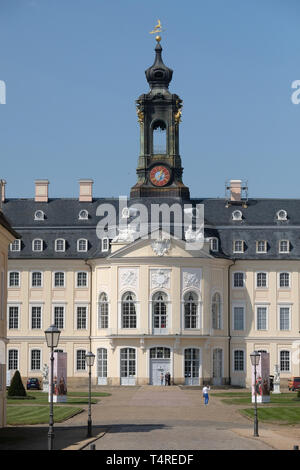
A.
pixel 83 215
pixel 216 311
pixel 191 316
pixel 103 311
pixel 160 312
pixel 159 138
pixel 128 319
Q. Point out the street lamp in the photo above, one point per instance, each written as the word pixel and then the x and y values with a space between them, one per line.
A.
pixel 52 338
pixel 255 358
pixel 89 358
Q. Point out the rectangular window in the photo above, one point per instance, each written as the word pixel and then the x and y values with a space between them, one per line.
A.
pixel 36 279
pixel 261 318
pixel 35 359
pixel 60 245
pixel 13 279
pixel 261 246
pixel 238 361
pixel 238 246
pixel 80 360
pixel 13 317
pixel 261 280
pixel 238 318
pixel 82 245
pixel 37 245
pixel 284 246
pixel 15 245
pixel 82 279
pixel 13 359
pixel 59 317
pixel 81 318
pixel 36 317
pixel 284 361
pixel 105 244
pixel 59 279
pixel 238 279
pixel 284 318
pixel 2 295
pixel 284 280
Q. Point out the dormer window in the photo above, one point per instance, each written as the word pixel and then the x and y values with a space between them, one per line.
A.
pixel 238 246
pixel 39 215
pixel 83 215
pixel 60 245
pixel 214 244
pixel 281 215
pixel 105 244
pixel 284 246
pixel 82 245
pixel 37 244
pixel 15 245
pixel 261 246
pixel 237 215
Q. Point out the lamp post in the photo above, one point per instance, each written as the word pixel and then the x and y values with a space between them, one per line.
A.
pixel 89 358
pixel 255 358
pixel 52 338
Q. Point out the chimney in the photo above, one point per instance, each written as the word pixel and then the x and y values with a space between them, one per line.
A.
pixel 41 190
pixel 2 190
pixel 85 190
pixel 235 187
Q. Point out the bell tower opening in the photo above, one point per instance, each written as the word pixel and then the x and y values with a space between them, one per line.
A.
pixel 159 138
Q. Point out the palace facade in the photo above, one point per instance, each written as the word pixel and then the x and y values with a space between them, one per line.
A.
pixel 147 305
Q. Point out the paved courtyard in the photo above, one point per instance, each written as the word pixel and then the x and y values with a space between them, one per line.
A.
pixel 159 418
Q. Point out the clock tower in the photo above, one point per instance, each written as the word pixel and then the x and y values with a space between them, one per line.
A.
pixel 159 170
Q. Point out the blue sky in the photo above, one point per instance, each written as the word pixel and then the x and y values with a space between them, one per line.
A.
pixel 74 68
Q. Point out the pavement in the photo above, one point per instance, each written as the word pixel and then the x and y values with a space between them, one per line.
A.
pixel 154 418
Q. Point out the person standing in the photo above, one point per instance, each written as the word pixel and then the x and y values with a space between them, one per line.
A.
pixel 205 391
pixel 162 378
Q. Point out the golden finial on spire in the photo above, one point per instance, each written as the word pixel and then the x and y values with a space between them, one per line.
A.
pixel 157 29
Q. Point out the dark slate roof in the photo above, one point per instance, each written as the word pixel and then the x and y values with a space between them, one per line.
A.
pixel 61 221
pixel 6 224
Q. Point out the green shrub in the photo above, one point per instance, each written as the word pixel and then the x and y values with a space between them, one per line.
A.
pixel 298 394
pixel 16 388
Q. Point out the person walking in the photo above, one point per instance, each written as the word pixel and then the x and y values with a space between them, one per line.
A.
pixel 205 391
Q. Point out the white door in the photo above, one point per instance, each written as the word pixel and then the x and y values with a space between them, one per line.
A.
pixel 217 366
pixel 158 367
pixel 128 366
pixel 102 366
pixel 191 366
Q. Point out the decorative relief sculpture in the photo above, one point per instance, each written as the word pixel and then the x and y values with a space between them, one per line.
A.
pixel 160 278
pixel 161 247
pixel 128 278
pixel 125 235
pixel 191 279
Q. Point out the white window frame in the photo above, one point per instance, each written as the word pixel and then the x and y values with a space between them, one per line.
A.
pixel 104 302
pixel 244 280
pixel 289 307
pixel 18 358
pixel 31 276
pixel 13 247
pixel 85 366
pixel 237 215
pixel 212 241
pixel 35 304
pixel 233 361
pixel 279 361
pixel 242 250
pixel 87 280
pixel 257 306
pixel 18 306
pixel 199 309
pixel 243 306
pixel 30 359
pixel 53 280
pixel 78 245
pixel 60 305
pixel 280 250
pixel 64 245
pixel 8 279
pixel 256 280
pixel 81 305
pixel 284 287
pixel 33 245
pixel 265 246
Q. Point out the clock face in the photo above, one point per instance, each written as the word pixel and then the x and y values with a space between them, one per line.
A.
pixel 160 175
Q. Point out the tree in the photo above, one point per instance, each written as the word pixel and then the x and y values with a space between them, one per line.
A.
pixel 16 388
